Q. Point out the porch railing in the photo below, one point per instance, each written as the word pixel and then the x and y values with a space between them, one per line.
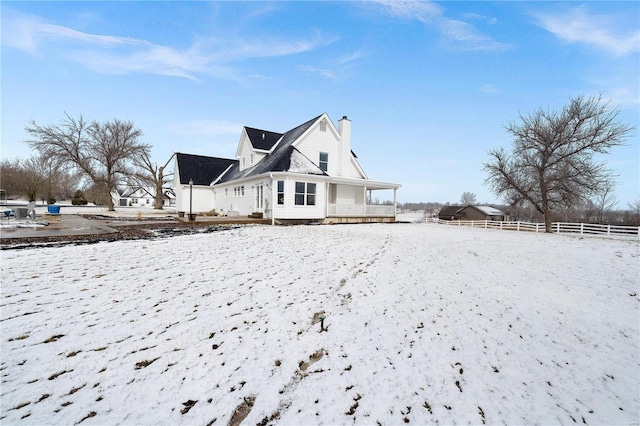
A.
pixel 359 210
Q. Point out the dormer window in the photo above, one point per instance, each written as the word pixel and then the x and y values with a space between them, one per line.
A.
pixel 324 161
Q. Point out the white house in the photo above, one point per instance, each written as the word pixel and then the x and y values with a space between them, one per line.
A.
pixel 140 196
pixel 306 174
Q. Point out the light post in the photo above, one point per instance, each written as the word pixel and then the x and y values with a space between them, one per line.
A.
pixel 190 199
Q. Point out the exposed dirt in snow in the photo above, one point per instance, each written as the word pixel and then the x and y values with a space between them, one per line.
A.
pixel 424 324
pixel 146 229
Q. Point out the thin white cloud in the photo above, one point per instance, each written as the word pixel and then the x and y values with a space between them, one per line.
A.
pixel 455 34
pixel 30 33
pixel 605 32
pixel 351 58
pixel 338 67
pixel 462 36
pixel 119 55
pixel 478 17
pixel 328 74
pixel 423 11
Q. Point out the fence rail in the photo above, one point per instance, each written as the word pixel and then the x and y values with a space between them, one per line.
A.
pixel 557 227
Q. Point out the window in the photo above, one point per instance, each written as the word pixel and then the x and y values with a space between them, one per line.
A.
pixel 281 192
pixel 238 191
pixel 305 194
pixel 251 159
pixel 226 193
pixel 324 161
pixel 323 126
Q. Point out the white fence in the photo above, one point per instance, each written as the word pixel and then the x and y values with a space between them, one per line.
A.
pixel 558 227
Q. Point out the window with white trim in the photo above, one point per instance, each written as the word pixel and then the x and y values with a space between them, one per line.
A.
pixel 280 192
pixel 324 161
pixel 305 194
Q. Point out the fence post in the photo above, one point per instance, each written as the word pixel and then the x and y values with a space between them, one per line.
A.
pixel 581 228
pixel 557 227
pixel 608 229
pixel 485 223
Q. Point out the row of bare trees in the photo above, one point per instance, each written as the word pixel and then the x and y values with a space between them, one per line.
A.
pixel 37 178
pixel 99 156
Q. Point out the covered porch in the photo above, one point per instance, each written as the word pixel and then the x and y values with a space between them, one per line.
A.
pixel 354 200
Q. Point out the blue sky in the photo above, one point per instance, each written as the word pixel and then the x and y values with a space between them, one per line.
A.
pixel 428 86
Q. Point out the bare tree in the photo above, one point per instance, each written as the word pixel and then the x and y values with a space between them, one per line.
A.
pixel 634 208
pixel 33 177
pixel 552 164
pixel 467 198
pixel 154 175
pixel 103 152
pixel 26 177
pixel 604 200
pixel 37 177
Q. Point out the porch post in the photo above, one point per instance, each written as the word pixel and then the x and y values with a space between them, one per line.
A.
pixel 274 199
pixel 326 199
pixel 364 207
pixel 395 205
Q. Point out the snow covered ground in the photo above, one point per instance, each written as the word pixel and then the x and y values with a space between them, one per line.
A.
pixel 426 324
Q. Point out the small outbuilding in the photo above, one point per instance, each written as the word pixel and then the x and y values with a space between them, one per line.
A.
pixel 450 213
pixel 483 213
pixel 472 213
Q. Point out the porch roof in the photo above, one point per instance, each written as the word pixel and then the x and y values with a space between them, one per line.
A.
pixel 369 184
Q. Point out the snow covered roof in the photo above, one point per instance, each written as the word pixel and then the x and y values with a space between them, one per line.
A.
pixel 489 211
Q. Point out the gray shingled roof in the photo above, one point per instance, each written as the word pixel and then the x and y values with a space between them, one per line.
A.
pixel 283 158
pixel 203 170
pixel 262 139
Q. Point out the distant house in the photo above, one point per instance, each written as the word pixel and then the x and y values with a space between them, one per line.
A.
pixel 472 213
pixel 308 173
pixel 140 196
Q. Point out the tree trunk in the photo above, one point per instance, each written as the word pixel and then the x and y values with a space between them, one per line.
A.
pixel 159 181
pixel 110 206
pixel 547 222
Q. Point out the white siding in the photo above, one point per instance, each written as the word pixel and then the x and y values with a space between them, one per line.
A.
pixel 289 210
pixel 203 200
pixel 244 205
pixel 245 150
pixel 329 141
